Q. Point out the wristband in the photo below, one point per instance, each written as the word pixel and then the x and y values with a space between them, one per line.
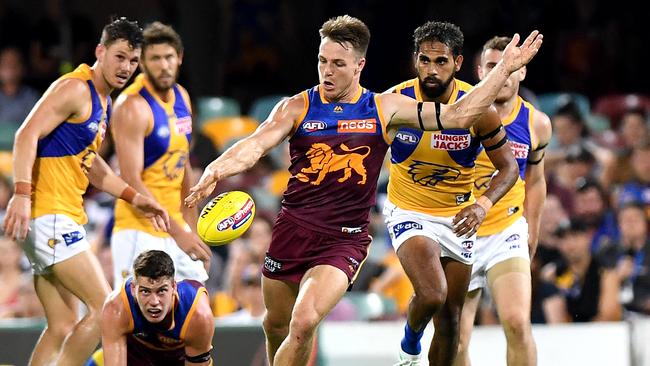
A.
pixel 23 188
pixel 485 203
pixel 128 194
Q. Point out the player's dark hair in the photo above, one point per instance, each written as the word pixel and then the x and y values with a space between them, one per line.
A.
pixel 153 264
pixel 159 33
pixel 345 28
pixel 443 32
pixel 122 28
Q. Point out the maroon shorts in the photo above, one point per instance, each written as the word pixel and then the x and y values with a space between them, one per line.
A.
pixel 295 249
pixel 140 355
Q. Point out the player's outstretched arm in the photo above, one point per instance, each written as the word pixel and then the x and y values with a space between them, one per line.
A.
pixel 199 333
pixel 65 99
pixel 494 139
pixel 102 176
pixel 115 326
pixel 246 152
pixel 535 181
pixel 401 110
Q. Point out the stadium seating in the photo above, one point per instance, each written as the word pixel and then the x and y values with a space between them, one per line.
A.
pixel 613 106
pixel 223 131
pixel 262 107
pixel 549 103
pixel 216 107
pixel 7 133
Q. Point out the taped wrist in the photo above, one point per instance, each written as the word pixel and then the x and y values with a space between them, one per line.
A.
pixel 128 194
pixel 203 357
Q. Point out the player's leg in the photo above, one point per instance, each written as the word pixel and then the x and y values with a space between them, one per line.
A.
pixel 123 247
pixel 321 289
pixel 510 284
pixel 279 298
pixel 444 345
pixel 420 258
pixel 472 301
pixel 82 275
pixel 61 313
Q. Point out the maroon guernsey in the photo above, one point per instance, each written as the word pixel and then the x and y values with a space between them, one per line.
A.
pixel 337 151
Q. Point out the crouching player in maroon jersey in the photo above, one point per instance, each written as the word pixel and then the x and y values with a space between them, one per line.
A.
pixel 153 320
pixel 338 135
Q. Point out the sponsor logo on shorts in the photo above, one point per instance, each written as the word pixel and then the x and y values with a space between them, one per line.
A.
pixel 467 255
pixel 402 227
pixel 353 265
pixel 73 237
pixel 513 237
pixel 357 126
pixel 468 245
pixel 442 141
pixel 407 137
pixel 519 150
pixel 514 246
pixel 350 230
pixel 52 242
pixel 311 126
pixel 272 264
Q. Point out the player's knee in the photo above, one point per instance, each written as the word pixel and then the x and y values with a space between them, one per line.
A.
pixel 275 327
pixel 432 299
pixel 516 325
pixel 61 327
pixel 304 324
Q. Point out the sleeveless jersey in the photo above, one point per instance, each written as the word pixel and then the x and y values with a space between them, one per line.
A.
pixel 337 151
pixel 152 335
pixel 432 172
pixel 65 155
pixel 166 149
pixel 519 127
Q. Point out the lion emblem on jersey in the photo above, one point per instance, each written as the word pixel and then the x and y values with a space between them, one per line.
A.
pixel 323 160
pixel 430 174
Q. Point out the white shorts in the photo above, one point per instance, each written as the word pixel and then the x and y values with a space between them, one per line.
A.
pixel 126 245
pixel 53 239
pixel 493 249
pixel 405 224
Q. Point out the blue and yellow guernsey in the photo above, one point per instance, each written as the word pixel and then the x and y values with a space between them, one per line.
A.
pixel 166 149
pixel 519 127
pixel 65 155
pixel 432 172
pixel 152 335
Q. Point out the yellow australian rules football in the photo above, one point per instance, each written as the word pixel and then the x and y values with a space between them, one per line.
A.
pixel 225 218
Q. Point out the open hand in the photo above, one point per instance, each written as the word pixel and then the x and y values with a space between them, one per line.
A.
pixel 16 222
pixel 515 57
pixel 467 221
pixel 203 188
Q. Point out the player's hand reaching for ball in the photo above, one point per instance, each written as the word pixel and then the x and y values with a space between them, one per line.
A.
pixel 204 187
pixel 515 57
pixel 151 209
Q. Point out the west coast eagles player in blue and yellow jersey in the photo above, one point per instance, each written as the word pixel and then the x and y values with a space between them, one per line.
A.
pixel 54 161
pixel 152 128
pixel 508 236
pixel 431 213
pixel 153 320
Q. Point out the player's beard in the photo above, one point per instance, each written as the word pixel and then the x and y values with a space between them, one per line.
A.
pixel 157 85
pixel 436 91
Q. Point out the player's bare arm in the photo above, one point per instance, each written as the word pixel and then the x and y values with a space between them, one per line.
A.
pixel 188 240
pixel 115 327
pixel 102 176
pixel 246 152
pixel 65 99
pixel 198 339
pixel 495 141
pixel 401 110
pixel 535 181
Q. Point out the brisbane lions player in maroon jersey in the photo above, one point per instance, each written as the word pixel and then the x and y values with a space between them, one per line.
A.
pixel 338 135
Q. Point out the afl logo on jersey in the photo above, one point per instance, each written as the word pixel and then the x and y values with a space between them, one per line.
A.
pixel 311 126
pixel 442 141
pixel 93 127
pixel 163 132
pixel 519 150
pixel 407 137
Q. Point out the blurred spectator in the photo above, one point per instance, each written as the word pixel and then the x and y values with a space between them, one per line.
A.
pixel 633 132
pixel 638 188
pixel 578 163
pixel 16 100
pixel 60 40
pixel 393 282
pixel 591 206
pixel 569 129
pixel 249 296
pixel 633 262
pixel 580 287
